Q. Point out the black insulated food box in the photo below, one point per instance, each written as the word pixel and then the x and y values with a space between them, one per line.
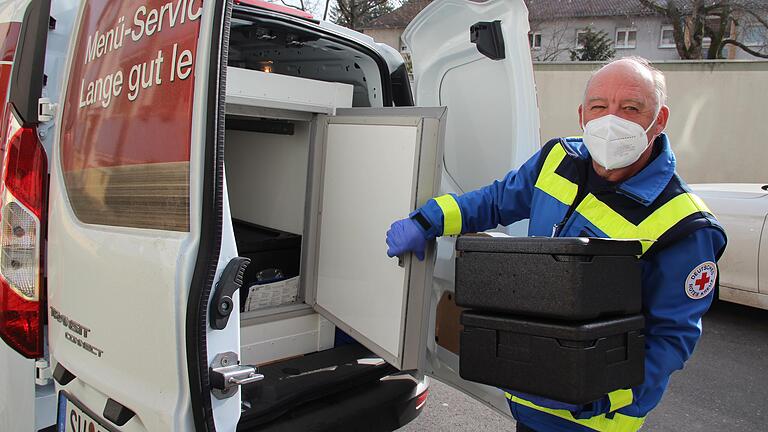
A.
pixel 563 278
pixel 268 249
pixel 569 362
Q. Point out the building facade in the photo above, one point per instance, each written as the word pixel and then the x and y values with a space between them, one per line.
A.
pixel 388 28
pixel 634 29
pixel 556 26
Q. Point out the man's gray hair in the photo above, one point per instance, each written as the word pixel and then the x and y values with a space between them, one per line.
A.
pixel 659 82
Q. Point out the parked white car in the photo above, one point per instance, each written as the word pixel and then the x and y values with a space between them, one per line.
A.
pixel 743 210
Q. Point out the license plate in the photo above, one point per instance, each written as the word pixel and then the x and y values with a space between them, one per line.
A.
pixel 72 418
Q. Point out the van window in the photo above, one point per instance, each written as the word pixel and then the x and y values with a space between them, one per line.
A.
pixel 126 123
pixel 277 47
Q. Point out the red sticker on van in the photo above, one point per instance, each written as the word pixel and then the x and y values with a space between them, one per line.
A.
pixel 127 118
pixel 130 89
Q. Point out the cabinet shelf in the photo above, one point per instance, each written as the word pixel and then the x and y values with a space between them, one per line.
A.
pixel 261 94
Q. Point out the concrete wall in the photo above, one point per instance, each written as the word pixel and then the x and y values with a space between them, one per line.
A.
pixel 390 37
pixel 718 124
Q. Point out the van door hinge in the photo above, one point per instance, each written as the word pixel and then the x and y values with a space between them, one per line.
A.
pixel 46 110
pixel 227 374
pixel 43 372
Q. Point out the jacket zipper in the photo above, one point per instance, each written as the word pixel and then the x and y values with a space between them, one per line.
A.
pixel 581 193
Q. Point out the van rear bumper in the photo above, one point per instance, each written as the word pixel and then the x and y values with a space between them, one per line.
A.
pixel 343 388
pixel 383 405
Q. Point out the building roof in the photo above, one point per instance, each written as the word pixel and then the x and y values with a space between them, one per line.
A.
pixel 400 17
pixel 551 9
pixel 555 9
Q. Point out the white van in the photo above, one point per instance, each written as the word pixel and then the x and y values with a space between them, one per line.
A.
pixel 221 179
pixel 34 36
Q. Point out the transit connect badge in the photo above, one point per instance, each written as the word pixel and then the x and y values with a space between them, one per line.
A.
pixel 701 281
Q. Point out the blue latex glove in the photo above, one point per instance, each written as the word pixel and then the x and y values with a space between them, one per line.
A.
pixel 405 236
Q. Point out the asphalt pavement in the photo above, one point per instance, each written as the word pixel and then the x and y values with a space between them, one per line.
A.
pixel 724 386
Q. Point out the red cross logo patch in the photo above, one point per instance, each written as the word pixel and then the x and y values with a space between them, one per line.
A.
pixel 701 281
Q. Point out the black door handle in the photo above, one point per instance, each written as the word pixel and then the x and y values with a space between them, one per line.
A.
pixel 230 281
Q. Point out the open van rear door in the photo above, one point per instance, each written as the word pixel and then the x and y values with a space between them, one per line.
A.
pixel 472 57
pixel 136 217
pixel 23 35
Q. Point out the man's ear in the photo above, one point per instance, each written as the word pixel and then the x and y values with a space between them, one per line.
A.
pixel 581 124
pixel 661 120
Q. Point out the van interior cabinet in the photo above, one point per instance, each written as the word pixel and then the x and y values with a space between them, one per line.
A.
pixel 313 186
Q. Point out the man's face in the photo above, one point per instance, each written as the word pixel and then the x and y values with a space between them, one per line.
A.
pixel 625 90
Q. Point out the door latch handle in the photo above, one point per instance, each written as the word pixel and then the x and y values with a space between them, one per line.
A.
pixel 227 374
pixel 230 281
pixel 252 377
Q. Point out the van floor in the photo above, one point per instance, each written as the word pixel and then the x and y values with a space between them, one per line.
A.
pixel 289 384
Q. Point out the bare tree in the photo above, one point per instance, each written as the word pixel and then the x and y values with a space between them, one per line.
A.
pixel 555 44
pixel 746 19
pixel 693 20
pixel 355 14
pixel 315 7
pixel 687 18
pixel 297 4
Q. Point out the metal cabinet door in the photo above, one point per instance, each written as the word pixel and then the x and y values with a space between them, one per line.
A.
pixel 762 272
pixel 371 167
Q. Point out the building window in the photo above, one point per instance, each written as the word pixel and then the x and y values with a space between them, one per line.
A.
pixel 534 40
pixel 712 22
pixel 755 35
pixel 667 37
pixel 580 35
pixel 626 38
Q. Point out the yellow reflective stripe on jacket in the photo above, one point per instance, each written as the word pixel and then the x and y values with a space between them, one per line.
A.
pixel 451 214
pixel 620 398
pixel 554 184
pixel 601 423
pixel 648 231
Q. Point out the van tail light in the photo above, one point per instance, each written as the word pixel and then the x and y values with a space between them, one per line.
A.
pixel 422 399
pixel 22 215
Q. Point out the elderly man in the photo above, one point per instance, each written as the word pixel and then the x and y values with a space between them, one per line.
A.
pixel 618 181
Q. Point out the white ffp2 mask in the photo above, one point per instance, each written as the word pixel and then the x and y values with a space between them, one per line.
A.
pixel 614 142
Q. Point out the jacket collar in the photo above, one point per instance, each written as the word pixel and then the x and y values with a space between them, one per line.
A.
pixel 645 186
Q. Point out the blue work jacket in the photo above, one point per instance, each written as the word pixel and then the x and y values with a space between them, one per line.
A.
pixel 559 192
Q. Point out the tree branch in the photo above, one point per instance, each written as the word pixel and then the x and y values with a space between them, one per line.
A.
pixel 654 6
pixel 343 8
pixel 757 17
pixel 747 49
